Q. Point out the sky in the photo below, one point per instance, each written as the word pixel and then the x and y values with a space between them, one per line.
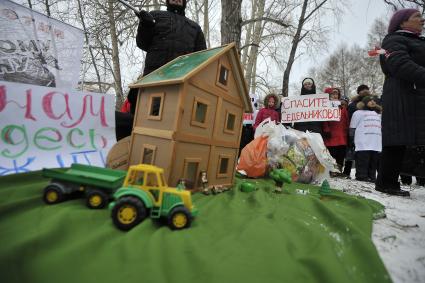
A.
pixel 353 28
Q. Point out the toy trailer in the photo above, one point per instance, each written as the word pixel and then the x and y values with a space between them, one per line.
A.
pixel 98 184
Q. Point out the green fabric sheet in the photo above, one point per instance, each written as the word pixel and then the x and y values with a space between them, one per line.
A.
pixel 238 237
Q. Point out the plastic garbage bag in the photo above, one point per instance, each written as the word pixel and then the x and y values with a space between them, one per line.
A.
pixel 253 159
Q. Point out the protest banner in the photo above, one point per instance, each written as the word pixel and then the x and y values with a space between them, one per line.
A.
pixel 52 127
pixel 38 50
pixel 314 107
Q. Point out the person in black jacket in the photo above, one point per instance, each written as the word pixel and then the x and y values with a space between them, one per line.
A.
pixel 164 35
pixel 309 87
pixel 403 98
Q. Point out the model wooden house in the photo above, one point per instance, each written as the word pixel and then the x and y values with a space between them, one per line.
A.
pixel 189 117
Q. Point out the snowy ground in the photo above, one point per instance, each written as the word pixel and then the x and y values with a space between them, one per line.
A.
pixel 400 237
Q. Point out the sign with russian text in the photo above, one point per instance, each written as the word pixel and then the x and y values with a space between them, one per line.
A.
pixel 52 127
pixel 38 50
pixel 314 107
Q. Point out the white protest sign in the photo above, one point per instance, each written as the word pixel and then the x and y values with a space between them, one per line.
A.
pixel 52 127
pixel 38 50
pixel 314 107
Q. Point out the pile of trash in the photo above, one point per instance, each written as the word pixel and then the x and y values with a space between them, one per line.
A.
pixel 275 146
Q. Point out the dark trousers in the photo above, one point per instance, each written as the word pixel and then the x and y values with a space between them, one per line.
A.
pixel 338 152
pixel 390 167
pixel 366 164
pixel 348 164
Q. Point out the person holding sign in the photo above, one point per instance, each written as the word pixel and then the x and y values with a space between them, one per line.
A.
pixel 271 102
pixel 308 87
pixel 403 97
pixel 335 132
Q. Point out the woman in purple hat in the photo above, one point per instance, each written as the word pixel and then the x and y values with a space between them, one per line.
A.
pixel 403 97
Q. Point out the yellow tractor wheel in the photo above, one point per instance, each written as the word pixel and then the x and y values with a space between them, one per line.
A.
pixel 128 212
pixel 179 218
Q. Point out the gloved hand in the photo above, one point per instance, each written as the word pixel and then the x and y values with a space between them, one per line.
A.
pixel 145 17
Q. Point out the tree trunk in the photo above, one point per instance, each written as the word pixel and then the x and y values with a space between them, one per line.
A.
pixel 207 23
pixel 29 4
pixel 247 44
pixel 295 42
pixel 231 19
pixel 115 55
pixel 47 4
pixel 253 51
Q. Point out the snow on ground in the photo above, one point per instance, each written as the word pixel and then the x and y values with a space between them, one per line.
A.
pixel 400 237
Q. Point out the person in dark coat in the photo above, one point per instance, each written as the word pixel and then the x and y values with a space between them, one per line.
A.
pixel 164 35
pixel 403 98
pixel 309 87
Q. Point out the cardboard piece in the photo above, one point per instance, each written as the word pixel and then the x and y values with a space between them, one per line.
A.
pixel 118 155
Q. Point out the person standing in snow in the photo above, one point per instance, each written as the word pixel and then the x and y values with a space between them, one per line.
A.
pixel 309 87
pixel 271 102
pixel 403 98
pixel 335 132
pixel 365 128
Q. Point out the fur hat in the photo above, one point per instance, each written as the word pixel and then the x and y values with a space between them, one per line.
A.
pixel 362 105
pixel 276 99
pixel 362 87
pixel 399 17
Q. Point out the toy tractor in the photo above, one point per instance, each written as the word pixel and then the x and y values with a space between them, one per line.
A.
pixel 145 193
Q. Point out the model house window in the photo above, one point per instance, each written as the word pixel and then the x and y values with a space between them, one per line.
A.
pixel 223 166
pixel 230 123
pixel 156 103
pixel 200 112
pixel 224 75
pixel 148 154
pixel 191 166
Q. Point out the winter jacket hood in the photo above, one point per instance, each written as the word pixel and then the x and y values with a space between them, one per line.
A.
pixel 276 99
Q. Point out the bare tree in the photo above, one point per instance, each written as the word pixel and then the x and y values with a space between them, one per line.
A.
pixel 399 4
pixel 348 67
pixel 87 41
pixel 309 9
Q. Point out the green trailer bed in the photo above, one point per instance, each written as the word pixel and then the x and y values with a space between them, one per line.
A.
pixel 86 175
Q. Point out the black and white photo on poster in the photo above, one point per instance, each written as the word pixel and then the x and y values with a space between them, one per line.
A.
pixel 36 49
